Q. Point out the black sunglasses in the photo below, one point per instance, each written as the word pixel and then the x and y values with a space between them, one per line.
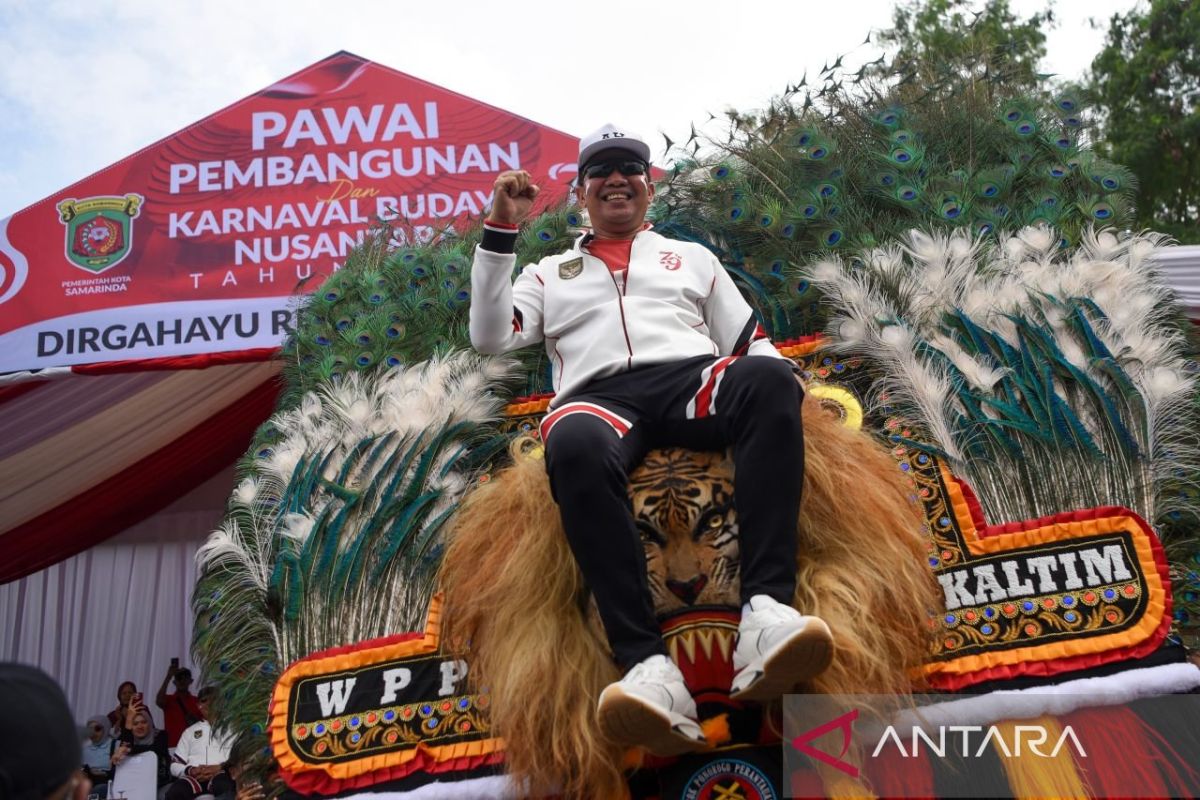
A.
pixel 603 169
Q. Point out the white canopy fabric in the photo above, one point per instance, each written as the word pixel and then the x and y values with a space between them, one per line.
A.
pixel 75 433
pixel 86 456
pixel 1181 269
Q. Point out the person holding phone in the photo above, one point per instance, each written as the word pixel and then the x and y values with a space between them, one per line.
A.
pixel 119 715
pixel 143 737
pixel 180 708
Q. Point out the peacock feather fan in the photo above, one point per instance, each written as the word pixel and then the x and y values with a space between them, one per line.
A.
pixel 861 162
pixel 1050 379
pixel 342 501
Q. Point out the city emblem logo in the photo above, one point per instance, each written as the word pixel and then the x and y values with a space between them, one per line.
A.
pixel 99 229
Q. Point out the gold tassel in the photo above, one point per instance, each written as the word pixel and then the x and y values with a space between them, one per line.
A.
pixel 1039 776
pixel 840 786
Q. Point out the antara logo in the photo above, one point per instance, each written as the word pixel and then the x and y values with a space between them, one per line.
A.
pixel 1031 736
pixel 845 724
pixel 974 741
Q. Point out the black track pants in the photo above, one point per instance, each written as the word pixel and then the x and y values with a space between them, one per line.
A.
pixel 600 434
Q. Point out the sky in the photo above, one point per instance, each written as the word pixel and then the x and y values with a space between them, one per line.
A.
pixel 84 84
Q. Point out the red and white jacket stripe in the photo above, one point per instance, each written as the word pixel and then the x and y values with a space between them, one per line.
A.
pixel 676 301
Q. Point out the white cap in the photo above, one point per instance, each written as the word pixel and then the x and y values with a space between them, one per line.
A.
pixel 610 137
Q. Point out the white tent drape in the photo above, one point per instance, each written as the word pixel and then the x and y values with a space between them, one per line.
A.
pixel 119 611
pixel 1181 270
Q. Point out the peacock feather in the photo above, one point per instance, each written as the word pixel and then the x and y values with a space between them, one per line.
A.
pixel 342 501
pixel 862 162
pixel 1050 379
pixel 1185 581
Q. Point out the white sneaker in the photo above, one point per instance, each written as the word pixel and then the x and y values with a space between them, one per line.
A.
pixel 777 649
pixel 651 707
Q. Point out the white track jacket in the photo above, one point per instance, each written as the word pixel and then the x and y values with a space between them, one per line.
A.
pixel 676 301
pixel 198 747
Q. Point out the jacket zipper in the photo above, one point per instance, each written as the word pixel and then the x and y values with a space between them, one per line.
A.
pixel 621 305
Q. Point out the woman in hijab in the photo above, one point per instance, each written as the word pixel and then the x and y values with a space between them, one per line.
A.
pixel 141 737
pixel 97 751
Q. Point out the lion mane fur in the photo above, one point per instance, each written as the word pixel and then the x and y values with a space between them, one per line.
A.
pixel 516 604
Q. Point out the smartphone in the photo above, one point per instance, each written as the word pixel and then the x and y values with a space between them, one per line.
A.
pixel 137 699
pixel 175 662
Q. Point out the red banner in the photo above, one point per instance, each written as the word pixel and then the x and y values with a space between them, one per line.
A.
pixel 197 243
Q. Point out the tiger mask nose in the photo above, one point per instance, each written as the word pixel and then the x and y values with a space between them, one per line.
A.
pixel 688 591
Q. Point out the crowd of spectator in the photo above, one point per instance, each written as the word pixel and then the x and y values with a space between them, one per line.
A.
pixel 190 760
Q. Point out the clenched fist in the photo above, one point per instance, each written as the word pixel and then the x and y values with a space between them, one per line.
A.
pixel 512 197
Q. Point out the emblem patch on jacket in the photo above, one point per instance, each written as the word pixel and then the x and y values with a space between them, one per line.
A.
pixel 197 734
pixel 570 269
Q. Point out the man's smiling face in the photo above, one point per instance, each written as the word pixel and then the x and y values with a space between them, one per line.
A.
pixel 616 203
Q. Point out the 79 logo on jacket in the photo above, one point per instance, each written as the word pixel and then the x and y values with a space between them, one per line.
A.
pixel 99 230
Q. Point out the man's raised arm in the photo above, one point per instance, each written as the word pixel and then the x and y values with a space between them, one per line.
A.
pixel 505 315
